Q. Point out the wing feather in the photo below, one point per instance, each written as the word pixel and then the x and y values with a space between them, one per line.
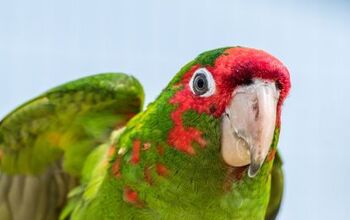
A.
pixel 45 142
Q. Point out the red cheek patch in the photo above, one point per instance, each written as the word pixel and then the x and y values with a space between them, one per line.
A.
pixel 180 137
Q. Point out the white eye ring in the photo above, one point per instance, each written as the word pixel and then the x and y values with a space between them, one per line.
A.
pixel 202 83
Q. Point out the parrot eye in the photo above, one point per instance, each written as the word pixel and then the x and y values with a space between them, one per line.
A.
pixel 202 83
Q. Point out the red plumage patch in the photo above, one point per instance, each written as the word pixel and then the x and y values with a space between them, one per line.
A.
pixel 116 167
pixel 181 137
pixel 130 195
pixel 271 155
pixel 161 170
pixel 135 157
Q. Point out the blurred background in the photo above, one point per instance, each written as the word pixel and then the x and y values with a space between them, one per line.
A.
pixel 44 43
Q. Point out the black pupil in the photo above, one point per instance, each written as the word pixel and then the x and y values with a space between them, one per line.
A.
pixel 200 84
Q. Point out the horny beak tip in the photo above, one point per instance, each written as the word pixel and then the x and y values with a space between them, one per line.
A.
pixel 253 169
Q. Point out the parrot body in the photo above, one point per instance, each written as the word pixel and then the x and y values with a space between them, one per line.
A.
pixel 85 150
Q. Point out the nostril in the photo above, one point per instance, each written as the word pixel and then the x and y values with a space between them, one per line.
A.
pixel 247 82
pixel 278 85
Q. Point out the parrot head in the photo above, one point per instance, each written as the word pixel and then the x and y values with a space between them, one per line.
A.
pixel 242 89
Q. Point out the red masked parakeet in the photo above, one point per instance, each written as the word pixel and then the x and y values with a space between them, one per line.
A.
pixel 206 148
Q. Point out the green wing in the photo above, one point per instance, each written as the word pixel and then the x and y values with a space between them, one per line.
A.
pixel 276 193
pixel 44 143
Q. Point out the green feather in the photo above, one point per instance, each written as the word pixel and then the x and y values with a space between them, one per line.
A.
pixel 209 57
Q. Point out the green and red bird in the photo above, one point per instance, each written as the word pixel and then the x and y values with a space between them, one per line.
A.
pixel 206 148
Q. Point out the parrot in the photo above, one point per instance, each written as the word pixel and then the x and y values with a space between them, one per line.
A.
pixel 206 148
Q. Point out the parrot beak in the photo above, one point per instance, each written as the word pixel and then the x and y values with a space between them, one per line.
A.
pixel 248 125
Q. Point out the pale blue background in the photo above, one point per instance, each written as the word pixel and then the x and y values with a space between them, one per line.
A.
pixel 45 43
